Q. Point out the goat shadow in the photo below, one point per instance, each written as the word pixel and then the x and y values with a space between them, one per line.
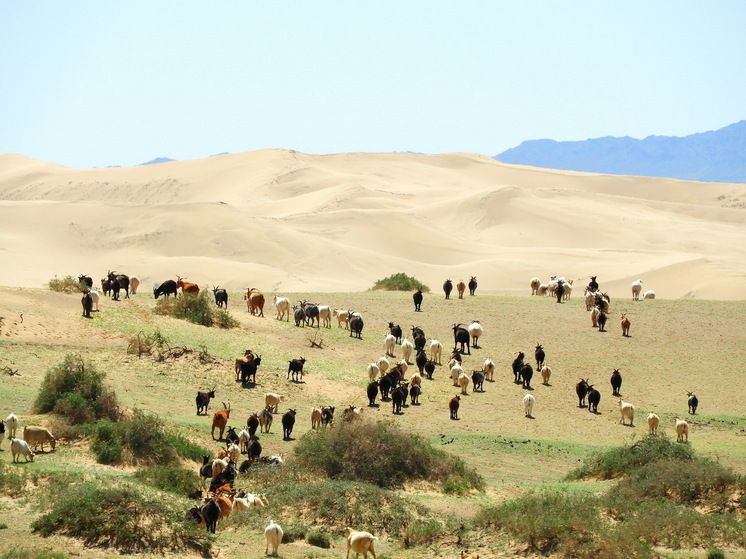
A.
pixel 374 405
pixel 530 417
pixel 297 381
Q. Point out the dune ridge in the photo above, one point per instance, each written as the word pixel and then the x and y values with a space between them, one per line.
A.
pixel 281 220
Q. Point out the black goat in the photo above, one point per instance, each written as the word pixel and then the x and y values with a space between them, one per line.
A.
pixel 248 370
pixel 472 285
pixel 372 392
pixel 414 394
pixel 461 336
pixel 295 368
pixel 421 360
pixel 517 364
pixel 252 424
pixel 693 403
pixel 429 369
pixel 86 280
pixel 398 397
pixel 447 288
pixel 209 513
pixel 602 322
pixel 396 331
pixel 616 383
pixel 581 389
pixel 312 313
pixel 593 284
pixel 221 297
pixel 87 302
pixel 594 397
pixel 255 449
pixel 118 282
pixel 526 374
pixel 167 288
pixel 356 327
pixel 300 316
pixel 327 415
pixel 288 421
pixel 417 298
pixel 203 401
pixel 477 379
pixel 539 355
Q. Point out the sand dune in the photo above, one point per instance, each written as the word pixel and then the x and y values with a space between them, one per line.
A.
pixel 286 221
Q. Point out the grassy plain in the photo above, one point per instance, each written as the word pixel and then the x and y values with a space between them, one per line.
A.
pixel 675 346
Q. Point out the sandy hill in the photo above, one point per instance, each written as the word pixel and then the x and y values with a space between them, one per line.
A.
pixel 287 221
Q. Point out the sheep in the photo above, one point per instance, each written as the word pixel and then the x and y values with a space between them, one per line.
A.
pixel 535 283
pixel 594 398
pixel 546 372
pixel 475 331
pixel 436 351
pixel 649 295
pixel 682 430
pixel 636 289
pixel 625 326
pixel 616 383
pixel 528 405
pixel 693 402
pixel 373 371
pixel 456 371
pixel 273 534
pixel 272 401
pixel 360 542
pixel 453 406
pixel 463 382
pixel 383 364
pixel 489 369
pixel 627 411
pixel 390 343
pixel 406 350
pixel 20 447
pixel 653 422
pixel 11 424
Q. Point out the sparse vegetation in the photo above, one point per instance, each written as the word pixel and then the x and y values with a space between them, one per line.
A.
pixel 68 284
pixel 121 517
pixel 399 282
pixel 198 309
pixel 384 455
pixel 173 479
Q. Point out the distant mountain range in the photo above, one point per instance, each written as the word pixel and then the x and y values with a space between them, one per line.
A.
pixel 715 156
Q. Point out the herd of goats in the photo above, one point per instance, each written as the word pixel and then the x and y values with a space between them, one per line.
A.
pixel 386 380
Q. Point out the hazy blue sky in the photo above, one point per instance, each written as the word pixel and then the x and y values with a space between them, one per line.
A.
pixel 119 83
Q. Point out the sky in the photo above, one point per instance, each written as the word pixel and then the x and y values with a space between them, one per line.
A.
pixel 94 84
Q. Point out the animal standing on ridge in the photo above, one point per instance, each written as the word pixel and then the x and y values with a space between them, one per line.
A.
pixel 417 298
pixel 447 288
pixel 473 285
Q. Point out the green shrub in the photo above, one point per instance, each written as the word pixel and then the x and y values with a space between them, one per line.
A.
pixel 198 309
pixel 76 388
pixel 423 532
pixel 293 533
pixel 399 282
pixel 121 517
pixel 68 284
pixel 143 439
pixel 319 539
pixel 31 554
pixel 716 553
pixel 700 479
pixel 173 479
pixel 622 460
pixel 547 522
pixel 382 454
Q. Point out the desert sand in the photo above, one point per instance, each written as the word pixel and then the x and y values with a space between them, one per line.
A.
pixel 281 220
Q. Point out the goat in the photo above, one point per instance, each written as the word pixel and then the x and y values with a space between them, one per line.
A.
pixel 406 350
pixel 475 331
pixel 461 287
pixel 87 302
pixel 477 380
pixel 396 331
pixel 682 430
pixel 265 419
pixel 625 326
pixel 636 290
pixel 288 421
pixel 526 374
pixel 255 302
pixel 273 534
pixel 36 436
pixel 473 285
pixel 221 297
pixel 372 392
pixel 220 420
pixel 447 288
pixel 282 305
pixel 417 298
pixel 616 383
pixel 208 514
pixel 653 422
pixel 489 369
pixel 18 448
pixel 461 336
pixel 359 542
pixel 463 382
pixel 649 295
pixel 436 351
pixel 86 280
pixel 312 313
pixel 356 327
pixel 11 424
pixel 627 412
pixel 693 402
pixel 593 284
pixel 594 398
pixel 581 389
pixel 602 322
pixel 534 284
pixel 325 315
pixel 343 317
pixel 295 368
pixel 390 343
pixel 327 415
pixel 186 286
pixel 539 355
pixel 528 405
pixel 167 288
pixel 453 406
pixel 516 365
pixel 252 424
pixel 272 401
pixel 203 401
pixel 373 371
pixel 546 373
pixel 118 282
pixel 398 397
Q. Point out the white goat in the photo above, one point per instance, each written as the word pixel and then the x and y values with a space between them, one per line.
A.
pixel 343 317
pixel 243 441
pixel 273 534
pixel 325 315
pixel 11 424
pixel 360 542
pixel 456 371
pixel 653 422
pixel 390 342
pixel 463 382
pixel 528 405
pixel 383 364
pixel 436 351
pixel 488 368
pixel 590 300
pixel 282 305
pixel 649 294
pixel 272 400
pixel 627 411
pixel 546 373
pixel 535 283
pixel 682 430
pixel 636 289
pixel 406 349
pixel 373 371
pixel 475 331
pixel 19 447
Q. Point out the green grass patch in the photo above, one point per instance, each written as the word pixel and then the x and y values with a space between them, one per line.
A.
pixel 12 480
pixel 31 554
pixel 197 309
pixel 173 479
pixel 382 454
pixel 399 282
